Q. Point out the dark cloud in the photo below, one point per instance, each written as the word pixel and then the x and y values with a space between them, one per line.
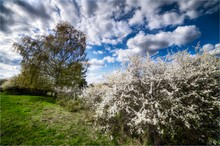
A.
pixel 5 24
pixel 119 3
pixel 5 10
pixel 92 6
pixel 76 6
pixel 5 17
pixel 5 59
pixel 9 18
pixel 152 44
pixel 39 11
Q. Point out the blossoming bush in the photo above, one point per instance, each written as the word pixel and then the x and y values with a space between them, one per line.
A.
pixel 173 100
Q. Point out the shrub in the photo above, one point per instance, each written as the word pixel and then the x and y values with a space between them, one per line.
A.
pixel 172 100
pixel 68 98
pixel 2 81
pixel 72 105
pixel 14 86
pixel 11 87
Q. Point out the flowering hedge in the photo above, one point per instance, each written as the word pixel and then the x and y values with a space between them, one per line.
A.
pixel 173 100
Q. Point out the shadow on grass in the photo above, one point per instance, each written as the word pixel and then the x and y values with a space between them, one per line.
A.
pixel 48 99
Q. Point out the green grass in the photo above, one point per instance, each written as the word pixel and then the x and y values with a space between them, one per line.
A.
pixel 36 120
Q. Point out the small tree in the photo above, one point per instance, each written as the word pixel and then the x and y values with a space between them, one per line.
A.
pixel 55 59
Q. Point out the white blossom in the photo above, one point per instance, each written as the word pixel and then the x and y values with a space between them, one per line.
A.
pixel 159 92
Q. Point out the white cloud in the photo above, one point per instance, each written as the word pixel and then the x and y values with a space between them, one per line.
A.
pixel 192 14
pixel 98 23
pixel 9 59
pixel 207 47
pixel 163 20
pixel 151 43
pixel 94 78
pixel 88 7
pixel 96 64
pixel 156 18
pixel 123 55
pixel 98 52
pixel 109 59
pixel 88 47
pixel 196 8
pixel 137 18
pixel 151 11
pixel 97 77
pixel 94 67
pixel 102 29
pixel 212 49
pixel 68 11
pixel 7 71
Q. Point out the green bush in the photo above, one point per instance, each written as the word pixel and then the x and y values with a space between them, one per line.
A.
pixel 73 105
pixel 15 86
pixel 70 100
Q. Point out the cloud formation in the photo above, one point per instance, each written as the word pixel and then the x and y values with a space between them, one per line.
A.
pixel 109 59
pixel 96 64
pixel 98 52
pixel 108 22
pixel 94 78
pixel 212 49
pixel 151 43
pixel 102 21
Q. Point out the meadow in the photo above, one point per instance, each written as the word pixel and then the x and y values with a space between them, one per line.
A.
pixel 38 120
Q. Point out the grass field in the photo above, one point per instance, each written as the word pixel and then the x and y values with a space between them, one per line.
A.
pixel 36 120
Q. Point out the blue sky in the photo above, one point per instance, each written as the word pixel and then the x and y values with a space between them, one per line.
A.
pixel 115 29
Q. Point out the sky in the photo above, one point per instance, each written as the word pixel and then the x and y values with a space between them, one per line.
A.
pixel 115 29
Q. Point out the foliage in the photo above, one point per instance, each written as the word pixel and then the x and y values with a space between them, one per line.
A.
pixel 2 81
pixel 172 100
pixel 55 60
pixel 71 105
pixel 68 98
pixel 17 85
